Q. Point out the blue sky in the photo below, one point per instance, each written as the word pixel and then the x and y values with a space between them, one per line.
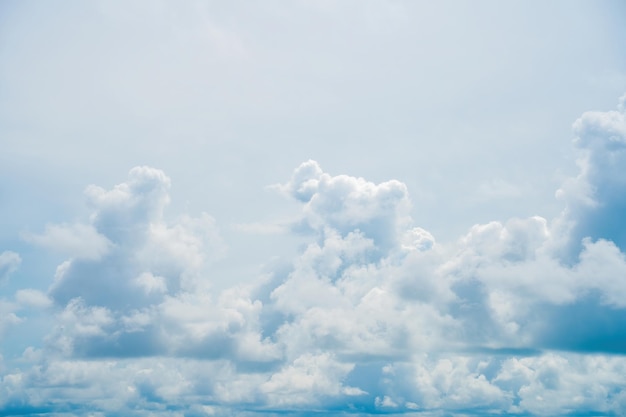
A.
pixel 312 207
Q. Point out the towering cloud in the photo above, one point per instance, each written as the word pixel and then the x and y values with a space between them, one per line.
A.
pixel 596 201
pixel 137 258
pixel 346 204
pixel 372 316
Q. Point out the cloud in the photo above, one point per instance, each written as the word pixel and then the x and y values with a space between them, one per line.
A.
pixel 147 258
pixel 78 240
pixel 306 379
pixel 24 298
pixel 346 204
pixel 595 198
pixel 7 315
pixel 9 262
pixel 373 315
pixel 32 298
pixel 130 207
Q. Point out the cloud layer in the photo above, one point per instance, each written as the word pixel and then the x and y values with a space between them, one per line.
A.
pixel 372 316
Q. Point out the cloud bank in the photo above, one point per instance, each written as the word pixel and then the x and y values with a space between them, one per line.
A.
pixel 373 316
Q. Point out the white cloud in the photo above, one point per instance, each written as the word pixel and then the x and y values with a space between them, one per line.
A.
pixel 346 204
pixel 7 315
pixel 9 262
pixel 373 315
pixel 149 257
pixel 595 198
pixel 32 298
pixel 77 240
pixel 302 382
pixel 129 208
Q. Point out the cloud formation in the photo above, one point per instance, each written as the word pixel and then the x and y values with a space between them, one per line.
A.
pixel 344 203
pixel 140 257
pixel 595 198
pixel 9 262
pixel 77 240
pixel 372 316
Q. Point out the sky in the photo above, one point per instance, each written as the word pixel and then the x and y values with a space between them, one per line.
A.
pixel 263 208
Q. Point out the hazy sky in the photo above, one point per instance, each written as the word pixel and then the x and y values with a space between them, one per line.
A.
pixel 336 207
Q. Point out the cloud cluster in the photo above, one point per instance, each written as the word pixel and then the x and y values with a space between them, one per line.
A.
pixel 128 256
pixel 372 316
pixel 344 204
pixel 9 262
pixel 595 198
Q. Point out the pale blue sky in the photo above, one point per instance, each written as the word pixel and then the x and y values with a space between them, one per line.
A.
pixel 440 131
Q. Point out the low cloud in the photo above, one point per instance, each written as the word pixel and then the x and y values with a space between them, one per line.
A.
pixel 78 240
pixel 344 204
pixel 372 316
pixel 9 262
pixel 595 198
pixel 147 258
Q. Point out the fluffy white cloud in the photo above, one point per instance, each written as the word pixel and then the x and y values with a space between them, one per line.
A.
pixel 372 316
pixel 147 257
pixel 148 294
pixel 7 315
pixel 306 379
pixel 9 262
pixel 32 298
pixel 77 240
pixel 346 203
pixel 595 198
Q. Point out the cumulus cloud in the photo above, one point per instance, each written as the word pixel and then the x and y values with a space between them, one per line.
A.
pixel 346 203
pixel 77 240
pixel 9 262
pixel 129 209
pixel 11 311
pixel 8 316
pixel 595 198
pixel 144 258
pixel 32 298
pixel 372 316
